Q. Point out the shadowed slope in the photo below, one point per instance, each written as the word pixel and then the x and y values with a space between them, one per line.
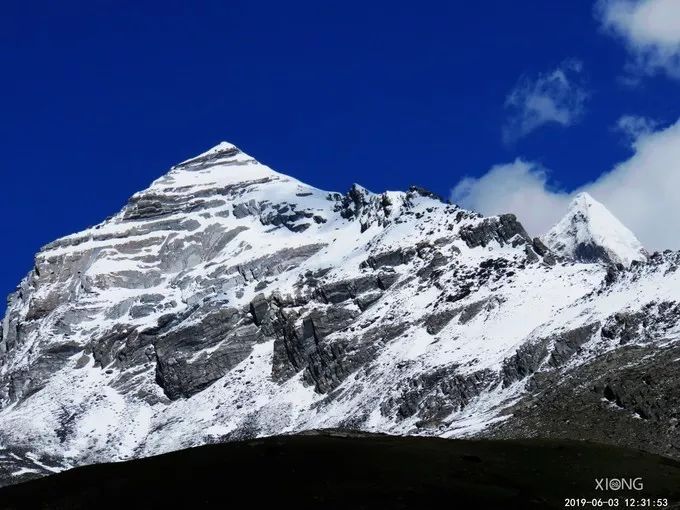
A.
pixel 337 470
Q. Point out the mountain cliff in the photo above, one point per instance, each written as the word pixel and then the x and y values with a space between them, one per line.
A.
pixel 230 301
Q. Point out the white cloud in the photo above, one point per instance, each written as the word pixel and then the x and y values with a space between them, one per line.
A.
pixel 555 97
pixel 649 28
pixel 635 126
pixel 521 188
pixel 643 192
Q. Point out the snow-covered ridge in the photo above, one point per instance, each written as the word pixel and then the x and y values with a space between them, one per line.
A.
pixel 589 232
pixel 228 300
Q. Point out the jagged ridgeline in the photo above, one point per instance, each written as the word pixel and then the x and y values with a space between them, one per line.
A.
pixel 230 301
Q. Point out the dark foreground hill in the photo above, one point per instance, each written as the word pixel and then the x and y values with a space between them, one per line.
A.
pixel 337 470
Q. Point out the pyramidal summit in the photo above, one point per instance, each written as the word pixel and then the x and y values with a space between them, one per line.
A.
pixel 590 233
pixel 229 301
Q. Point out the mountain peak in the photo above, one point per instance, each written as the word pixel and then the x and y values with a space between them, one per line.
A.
pixel 220 165
pixel 220 150
pixel 583 200
pixel 227 300
pixel 589 232
pixel 223 146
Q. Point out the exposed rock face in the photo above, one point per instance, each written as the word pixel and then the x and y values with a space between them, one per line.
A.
pixel 503 230
pixel 628 396
pixel 229 301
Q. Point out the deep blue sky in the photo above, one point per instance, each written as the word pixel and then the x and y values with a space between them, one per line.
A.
pixel 98 98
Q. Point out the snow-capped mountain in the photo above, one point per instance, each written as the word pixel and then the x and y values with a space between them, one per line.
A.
pixel 589 232
pixel 228 300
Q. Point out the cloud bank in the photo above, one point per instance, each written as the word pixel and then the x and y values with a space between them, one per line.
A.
pixel 643 192
pixel 555 97
pixel 649 28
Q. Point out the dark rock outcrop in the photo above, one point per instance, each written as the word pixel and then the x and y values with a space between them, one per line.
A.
pixel 184 367
pixel 504 229
pixel 435 395
pixel 628 396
